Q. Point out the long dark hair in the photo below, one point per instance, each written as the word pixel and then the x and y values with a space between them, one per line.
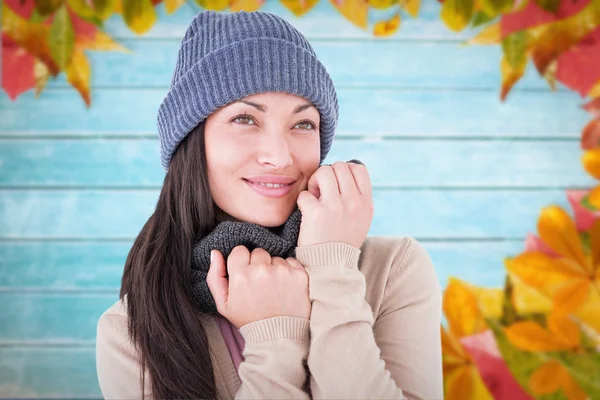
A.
pixel 163 323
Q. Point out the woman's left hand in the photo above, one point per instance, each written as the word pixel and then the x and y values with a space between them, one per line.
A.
pixel 337 206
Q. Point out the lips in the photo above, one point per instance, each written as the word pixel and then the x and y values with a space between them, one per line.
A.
pixel 272 187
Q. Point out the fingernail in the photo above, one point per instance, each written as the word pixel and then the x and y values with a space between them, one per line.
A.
pixel 212 256
pixel 355 161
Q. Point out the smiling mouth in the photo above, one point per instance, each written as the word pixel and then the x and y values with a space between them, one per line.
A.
pixel 269 185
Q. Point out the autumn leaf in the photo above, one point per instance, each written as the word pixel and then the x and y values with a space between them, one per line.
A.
pixel 139 15
pixel 548 5
pixel 299 7
pixel 30 36
pixel 493 8
pixel 215 5
pixel 388 27
pixel 557 230
pixel 381 4
pixel 412 7
pixel 104 8
pixel 461 309
pixel 41 75
pixel 457 14
pixel 553 376
pixel 514 61
pixel 529 336
pixel 355 11
pixel 246 5
pixel 549 41
pixel 78 74
pixel 47 7
pixel 593 107
pixel 62 38
pixel 17 68
pixel 595 90
pixel 489 35
pixel 591 160
pixel 550 75
pixel 481 18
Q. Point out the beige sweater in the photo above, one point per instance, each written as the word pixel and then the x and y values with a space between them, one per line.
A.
pixel 373 333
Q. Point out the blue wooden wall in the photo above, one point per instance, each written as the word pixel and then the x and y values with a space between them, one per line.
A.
pixel 451 165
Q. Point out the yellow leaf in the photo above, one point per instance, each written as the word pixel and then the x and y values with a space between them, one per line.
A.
pixel 528 335
pixel 215 5
pixel 461 310
pixel 591 162
pixel 570 296
pixel 594 197
pixel 173 5
pixel 550 74
pixel 78 74
pixel 594 91
pixel 355 11
pixel 381 4
pixel 246 5
pixel 62 38
pixel 589 312
pixel 41 74
pixel 564 328
pixel 412 7
pixel 557 230
pixel 540 271
pixel 104 8
pixel 102 42
pixel 490 301
pixel 553 39
pixel 139 15
pixel 545 379
pixel 510 76
pixel 457 14
pixel 526 299
pixel 491 34
pixel 299 7
pixel 495 7
pixel 387 28
pixel 453 352
pixel 466 383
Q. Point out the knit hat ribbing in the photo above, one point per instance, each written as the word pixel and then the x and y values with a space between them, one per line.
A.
pixel 225 56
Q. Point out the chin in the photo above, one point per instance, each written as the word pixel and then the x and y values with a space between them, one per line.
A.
pixel 269 217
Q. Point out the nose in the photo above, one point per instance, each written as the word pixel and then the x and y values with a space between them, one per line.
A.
pixel 274 150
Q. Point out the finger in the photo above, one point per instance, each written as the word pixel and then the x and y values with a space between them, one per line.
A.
pixel 345 179
pixel 239 257
pixel 325 181
pixel 294 263
pixel 217 282
pixel 306 200
pixel 362 179
pixel 278 261
pixel 260 256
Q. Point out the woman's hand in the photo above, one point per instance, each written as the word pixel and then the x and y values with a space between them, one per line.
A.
pixel 259 286
pixel 337 207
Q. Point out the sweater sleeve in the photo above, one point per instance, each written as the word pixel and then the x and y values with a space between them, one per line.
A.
pixel 351 356
pixel 275 351
pixel 274 354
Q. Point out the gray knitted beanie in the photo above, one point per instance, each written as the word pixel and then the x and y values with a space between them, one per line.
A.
pixel 225 56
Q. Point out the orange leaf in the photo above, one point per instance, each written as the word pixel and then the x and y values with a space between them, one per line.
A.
pixel 412 7
pixel 571 388
pixel 461 310
pixel 102 42
pixel 215 5
pixel 388 27
pixel 595 90
pixel 41 74
pixel 355 11
pixel 466 383
pixel 78 74
pixel 381 4
pixel 539 270
pixel 173 5
pixel 299 7
pixel 593 106
pixel 594 197
pixel 591 161
pixel 528 335
pixel 545 379
pixel 594 232
pixel 571 295
pixel 453 352
pixel 564 327
pixel 557 230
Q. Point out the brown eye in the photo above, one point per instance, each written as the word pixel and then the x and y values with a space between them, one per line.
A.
pixel 243 117
pixel 308 125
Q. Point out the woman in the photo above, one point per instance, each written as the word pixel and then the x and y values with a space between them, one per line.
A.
pixel 254 277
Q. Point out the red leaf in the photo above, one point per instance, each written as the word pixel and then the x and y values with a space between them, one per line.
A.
pixel 17 68
pixel 532 15
pixel 593 107
pixel 22 8
pixel 590 137
pixel 579 68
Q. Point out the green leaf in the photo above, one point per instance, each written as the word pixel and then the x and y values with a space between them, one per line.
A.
pixel 85 12
pixel 139 15
pixel 584 368
pixel 481 18
pixel 104 8
pixel 47 7
pixel 62 38
pixel 457 14
pixel 493 8
pixel 548 5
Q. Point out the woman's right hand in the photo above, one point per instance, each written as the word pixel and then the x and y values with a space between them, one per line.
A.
pixel 259 286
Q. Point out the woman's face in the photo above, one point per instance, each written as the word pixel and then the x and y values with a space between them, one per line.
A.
pixel 260 153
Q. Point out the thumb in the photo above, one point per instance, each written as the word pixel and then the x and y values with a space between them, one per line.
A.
pixel 217 281
pixel 306 200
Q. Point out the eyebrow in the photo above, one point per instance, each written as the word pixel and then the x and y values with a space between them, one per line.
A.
pixel 263 108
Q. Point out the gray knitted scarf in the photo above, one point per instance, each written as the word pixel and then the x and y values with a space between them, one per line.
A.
pixel 278 242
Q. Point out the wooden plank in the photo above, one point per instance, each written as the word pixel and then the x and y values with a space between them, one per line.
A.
pixel 84 266
pixel 405 163
pixel 430 65
pixel 370 113
pixel 423 213
pixel 323 21
pixel 48 372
